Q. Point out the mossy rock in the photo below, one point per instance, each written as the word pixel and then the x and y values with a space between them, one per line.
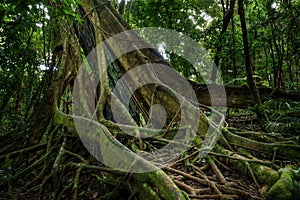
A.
pixel 265 175
pixel 283 188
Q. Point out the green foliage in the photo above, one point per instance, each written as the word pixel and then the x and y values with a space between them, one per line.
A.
pixel 272 31
pixel 180 15
pixel 22 51
pixel 27 35
pixel 284 116
pixel 66 9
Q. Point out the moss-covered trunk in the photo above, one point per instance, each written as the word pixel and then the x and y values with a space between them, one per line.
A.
pixel 52 159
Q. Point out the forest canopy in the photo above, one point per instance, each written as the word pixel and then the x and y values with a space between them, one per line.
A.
pixel 213 113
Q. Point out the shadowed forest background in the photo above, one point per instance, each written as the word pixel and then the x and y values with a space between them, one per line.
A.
pixel 255 45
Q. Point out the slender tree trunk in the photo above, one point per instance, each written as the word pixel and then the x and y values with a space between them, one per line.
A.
pixel 247 57
pixel 122 7
pixel 275 85
pixel 226 20
pixel 4 103
pixel 235 73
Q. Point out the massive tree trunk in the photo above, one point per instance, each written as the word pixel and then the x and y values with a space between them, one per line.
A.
pixel 52 160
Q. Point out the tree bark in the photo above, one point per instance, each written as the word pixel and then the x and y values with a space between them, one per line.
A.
pixel 226 20
pixel 56 163
pixel 247 57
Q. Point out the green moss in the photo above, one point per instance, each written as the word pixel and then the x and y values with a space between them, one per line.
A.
pixel 146 192
pixel 283 188
pixel 166 187
pixel 265 175
pixel 297 173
